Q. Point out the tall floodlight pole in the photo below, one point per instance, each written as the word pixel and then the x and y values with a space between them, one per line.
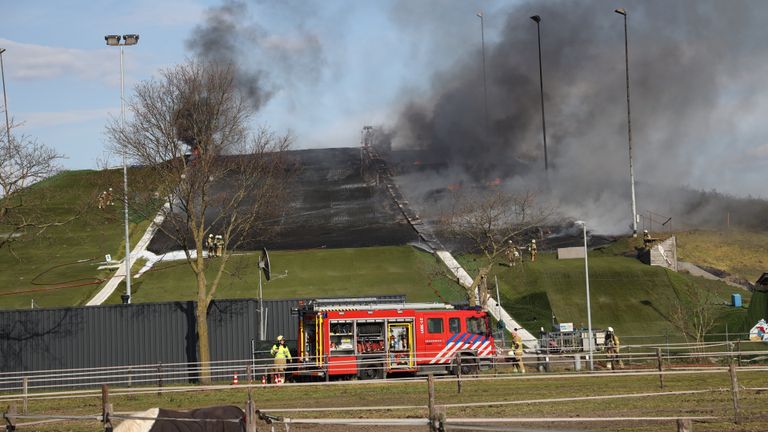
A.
pixel 623 13
pixel 485 80
pixel 114 40
pixel 537 19
pixel 5 101
pixel 589 305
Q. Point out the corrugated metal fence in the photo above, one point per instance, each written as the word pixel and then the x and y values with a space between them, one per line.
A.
pixel 137 334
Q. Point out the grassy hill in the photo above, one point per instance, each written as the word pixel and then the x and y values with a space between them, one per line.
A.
pixel 58 267
pixel 634 298
pixel 740 253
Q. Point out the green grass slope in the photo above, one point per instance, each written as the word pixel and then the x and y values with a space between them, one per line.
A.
pixel 634 298
pixel 308 274
pixel 740 253
pixel 58 267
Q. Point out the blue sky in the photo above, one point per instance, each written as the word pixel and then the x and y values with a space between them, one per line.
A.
pixel 63 81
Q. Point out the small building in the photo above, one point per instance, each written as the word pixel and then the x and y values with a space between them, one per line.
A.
pixel 661 253
pixel 570 253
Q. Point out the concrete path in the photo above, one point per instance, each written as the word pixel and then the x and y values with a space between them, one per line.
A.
pixel 700 272
pixel 499 313
pixel 137 252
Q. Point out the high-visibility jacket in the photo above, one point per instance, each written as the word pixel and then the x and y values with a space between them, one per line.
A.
pixel 517 345
pixel 280 351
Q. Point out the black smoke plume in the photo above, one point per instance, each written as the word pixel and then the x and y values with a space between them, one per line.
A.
pixel 693 69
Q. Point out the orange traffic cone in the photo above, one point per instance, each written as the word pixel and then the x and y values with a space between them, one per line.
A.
pixel 234 379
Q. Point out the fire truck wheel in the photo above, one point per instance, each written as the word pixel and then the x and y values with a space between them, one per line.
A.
pixel 468 366
pixel 374 371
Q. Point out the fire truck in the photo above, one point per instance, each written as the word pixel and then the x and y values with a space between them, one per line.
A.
pixel 375 337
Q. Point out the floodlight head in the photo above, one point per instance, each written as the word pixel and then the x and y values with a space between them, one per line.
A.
pixel 131 39
pixel 621 11
pixel 536 18
pixel 2 50
pixel 580 222
pixel 479 15
pixel 112 40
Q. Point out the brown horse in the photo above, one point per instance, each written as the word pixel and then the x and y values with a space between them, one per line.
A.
pixel 213 419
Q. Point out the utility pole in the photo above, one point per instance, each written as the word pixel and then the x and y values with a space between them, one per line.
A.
pixel 623 13
pixel 537 19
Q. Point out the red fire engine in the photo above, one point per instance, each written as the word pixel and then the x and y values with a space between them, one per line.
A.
pixel 372 338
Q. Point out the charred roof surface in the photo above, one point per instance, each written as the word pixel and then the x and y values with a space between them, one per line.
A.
pixel 330 205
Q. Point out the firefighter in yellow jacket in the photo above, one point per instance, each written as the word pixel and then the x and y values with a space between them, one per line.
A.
pixel 612 347
pixel 517 352
pixel 282 355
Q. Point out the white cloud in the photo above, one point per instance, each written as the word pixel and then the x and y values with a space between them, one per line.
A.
pixel 41 62
pixel 166 13
pixel 57 118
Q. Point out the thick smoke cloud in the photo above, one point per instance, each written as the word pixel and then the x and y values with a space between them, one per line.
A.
pixel 695 70
pixel 266 62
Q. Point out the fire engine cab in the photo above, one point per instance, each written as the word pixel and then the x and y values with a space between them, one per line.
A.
pixel 375 337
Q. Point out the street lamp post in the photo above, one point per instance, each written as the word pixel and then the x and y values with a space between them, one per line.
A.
pixel 485 83
pixel 5 100
pixel 537 19
pixel 114 40
pixel 589 305
pixel 623 13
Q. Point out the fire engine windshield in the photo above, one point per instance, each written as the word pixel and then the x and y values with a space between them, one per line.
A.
pixel 477 326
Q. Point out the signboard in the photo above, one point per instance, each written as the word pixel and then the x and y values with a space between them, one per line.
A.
pixel 566 327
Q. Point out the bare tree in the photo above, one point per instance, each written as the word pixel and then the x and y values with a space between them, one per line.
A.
pixel 190 128
pixel 23 162
pixel 694 316
pixel 486 221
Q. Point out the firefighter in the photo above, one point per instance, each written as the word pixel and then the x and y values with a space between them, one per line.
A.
pixel 647 240
pixel 211 246
pixel 219 245
pixel 612 349
pixel 533 250
pixel 282 355
pixel 102 199
pixel 517 352
pixel 109 198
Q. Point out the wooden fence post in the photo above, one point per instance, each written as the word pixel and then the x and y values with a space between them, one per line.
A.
pixel 159 378
pixel 431 404
pixel 735 393
pixel 106 408
pixel 25 390
pixel 684 425
pixel 250 416
pixel 458 382
pixel 661 368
